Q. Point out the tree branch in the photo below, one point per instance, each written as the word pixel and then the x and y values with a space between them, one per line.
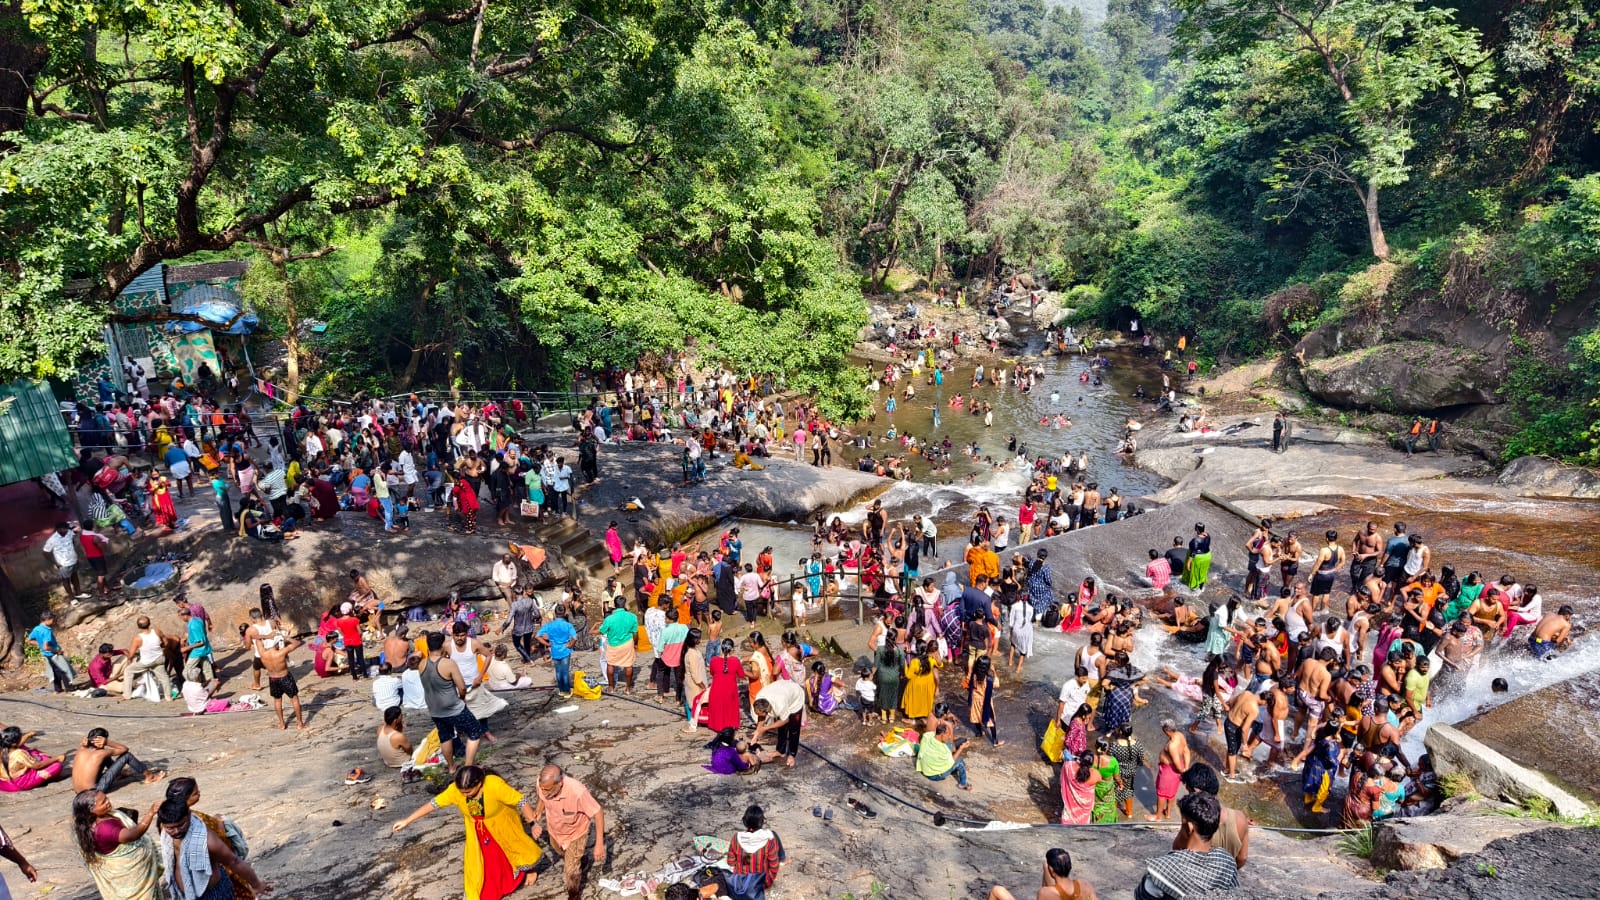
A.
pixel 537 139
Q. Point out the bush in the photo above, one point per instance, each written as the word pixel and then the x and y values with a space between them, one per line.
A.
pixel 1560 244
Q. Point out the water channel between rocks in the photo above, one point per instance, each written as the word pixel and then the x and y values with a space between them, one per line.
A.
pixel 1550 543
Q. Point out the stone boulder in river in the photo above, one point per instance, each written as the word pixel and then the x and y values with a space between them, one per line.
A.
pixel 1536 476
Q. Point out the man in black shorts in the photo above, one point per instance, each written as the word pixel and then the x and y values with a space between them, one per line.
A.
pixel 1243 711
pixel 280 680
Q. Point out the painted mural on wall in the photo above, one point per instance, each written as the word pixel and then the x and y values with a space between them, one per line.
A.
pixel 165 355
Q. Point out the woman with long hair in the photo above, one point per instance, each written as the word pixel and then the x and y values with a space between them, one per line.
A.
pixel 890 663
pixel 499 855
pixel 726 672
pixel 23 768
pixel 1105 793
pixel 980 698
pixel 116 848
pixel 1129 754
pixel 1078 780
pixel 921 683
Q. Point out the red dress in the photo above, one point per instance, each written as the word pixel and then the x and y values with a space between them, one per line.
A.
pixel 723 707
pixel 161 506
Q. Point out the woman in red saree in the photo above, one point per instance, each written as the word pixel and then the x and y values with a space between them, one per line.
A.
pixel 467 500
pixel 161 507
pixel 722 709
pixel 1087 592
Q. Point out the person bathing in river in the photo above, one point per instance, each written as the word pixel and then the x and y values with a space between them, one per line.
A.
pixel 1552 633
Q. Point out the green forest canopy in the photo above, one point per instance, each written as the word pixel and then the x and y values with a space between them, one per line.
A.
pixel 492 194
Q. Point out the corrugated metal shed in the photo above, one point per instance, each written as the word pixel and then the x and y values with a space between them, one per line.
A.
pixel 153 281
pixel 33 436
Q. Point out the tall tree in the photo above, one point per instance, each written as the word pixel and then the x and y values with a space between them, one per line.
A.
pixel 1381 59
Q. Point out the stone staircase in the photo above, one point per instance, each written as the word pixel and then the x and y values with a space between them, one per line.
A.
pixel 584 555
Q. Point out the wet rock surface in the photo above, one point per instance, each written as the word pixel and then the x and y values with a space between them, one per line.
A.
pixel 1536 476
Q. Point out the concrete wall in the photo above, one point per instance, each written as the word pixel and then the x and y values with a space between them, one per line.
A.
pixel 1493 774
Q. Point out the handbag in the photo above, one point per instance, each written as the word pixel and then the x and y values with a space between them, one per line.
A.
pixel 1051 617
pixel 1054 743
pixel 529 509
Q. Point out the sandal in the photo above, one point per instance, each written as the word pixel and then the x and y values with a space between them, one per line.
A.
pixel 358 775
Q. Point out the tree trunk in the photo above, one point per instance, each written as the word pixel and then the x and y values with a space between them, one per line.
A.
pixel 291 327
pixel 11 625
pixel 454 369
pixel 291 365
pixel 1547 126
pixel 1369 199
pixel 418 320
pixel 938 260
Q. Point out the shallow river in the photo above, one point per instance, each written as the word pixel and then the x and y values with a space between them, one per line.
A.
pixel 1555 545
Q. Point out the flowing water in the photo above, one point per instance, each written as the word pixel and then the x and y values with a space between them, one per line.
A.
pixel 1553 544
pixel 1097 414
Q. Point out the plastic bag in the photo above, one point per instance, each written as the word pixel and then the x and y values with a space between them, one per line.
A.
pixel 582 689
pixel 1054 742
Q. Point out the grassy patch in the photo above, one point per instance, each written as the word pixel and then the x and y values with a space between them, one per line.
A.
pixel 1358 843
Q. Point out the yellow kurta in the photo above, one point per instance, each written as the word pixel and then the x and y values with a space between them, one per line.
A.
pixel 921 688
pixel 499 804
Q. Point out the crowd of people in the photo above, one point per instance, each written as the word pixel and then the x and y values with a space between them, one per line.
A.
pixel 1322 675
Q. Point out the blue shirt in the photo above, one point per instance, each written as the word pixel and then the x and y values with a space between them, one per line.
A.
pixel 175 455
pixel 45 637
pixel 197 635
pixel 1396 550
pixel 559 633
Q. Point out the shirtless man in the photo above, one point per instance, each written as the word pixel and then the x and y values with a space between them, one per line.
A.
pixel 397 646
pixel 1330 559
pixel 1243 711
pixel 1057 883
pixel 1364 551
pixel 1312 680
pixel 1487 612
pixel 1273 725
pixel 100 762
pixel 257 627
pixel 1233 831
pixel 1175 760
pixel 1268 662
pixel 1554 632
pixel 280 680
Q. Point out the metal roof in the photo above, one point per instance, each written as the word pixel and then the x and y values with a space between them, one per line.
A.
pixel 152 281
pixel 33 436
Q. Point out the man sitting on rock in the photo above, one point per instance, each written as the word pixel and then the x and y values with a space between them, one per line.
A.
pixel 100 762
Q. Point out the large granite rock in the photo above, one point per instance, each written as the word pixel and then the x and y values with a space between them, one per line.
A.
pixel 1433 842
pixel 1536 476
pixel 1406 377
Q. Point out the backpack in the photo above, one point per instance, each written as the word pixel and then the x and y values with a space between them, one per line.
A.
pixel 1051 617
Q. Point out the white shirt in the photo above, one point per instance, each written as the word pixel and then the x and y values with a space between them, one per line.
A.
pixel 563 479
pixel 63 547
pixel 408 466
pixel 387 691
pixel 504 573
pixel 1073 695
pixel 411 690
